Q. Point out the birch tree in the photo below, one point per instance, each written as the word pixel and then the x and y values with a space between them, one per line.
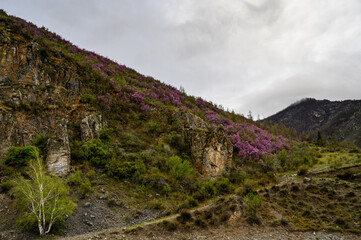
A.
pixel 43 199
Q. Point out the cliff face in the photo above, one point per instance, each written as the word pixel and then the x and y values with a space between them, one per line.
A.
pixel 210 147
pixel 40 94
pixel 339 118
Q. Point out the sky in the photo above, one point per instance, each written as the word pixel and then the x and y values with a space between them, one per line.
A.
pixel 246 55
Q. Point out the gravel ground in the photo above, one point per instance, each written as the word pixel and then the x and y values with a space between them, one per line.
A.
pixel 221 233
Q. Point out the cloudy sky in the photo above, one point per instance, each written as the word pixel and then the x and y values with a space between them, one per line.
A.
pixel 258 55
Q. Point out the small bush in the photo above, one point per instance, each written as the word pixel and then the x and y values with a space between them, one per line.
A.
pixel 253 204
pixel 95 152
pixel 153 128
pixel 158 182
pixel 126 170
pixel 170 226
pixel 131 142
pixel 354 149
pixel 19 156
pixel 40 142
pixel 85 187
pixel 177 141
pixel 179 168
pixel 200 223
pixel 345 175
pixel 75 179
pixel 105 134
pixel 205 191
pixel 184 216
pixel 156 204
pixel 188 203
pixel 5 187
pixel 77 153
pixel 302 171
pixel 223 186
pixel 87 98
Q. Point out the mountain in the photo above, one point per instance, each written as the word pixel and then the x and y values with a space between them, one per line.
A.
pixel 339 118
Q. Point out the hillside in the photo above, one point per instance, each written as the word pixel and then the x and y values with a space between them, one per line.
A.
pixel 119 148
pixel 339 118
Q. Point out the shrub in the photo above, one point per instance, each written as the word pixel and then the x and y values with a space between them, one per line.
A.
pixel 83 184
pixel 131 142
pixel 156 204
pixel 87 98
pixel 75 179
pixel 158 182
pixel 237 177
pixel 105 134
pixel 19 156
pixel 205 191
pixel 354 149
pixel 189 203
pixel 153 128
pixel 126 170
pixel 77 153
pixel 177 141
pixel 5 187
pixel 95 152
pixel 253 204
pixel 184 216
pixel 302 171
pixel 40 142
pixel 179 168
pixel 85 187
pixel 223 186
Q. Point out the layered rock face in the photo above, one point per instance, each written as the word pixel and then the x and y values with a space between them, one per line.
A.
pixel 210 147
pixel 39 96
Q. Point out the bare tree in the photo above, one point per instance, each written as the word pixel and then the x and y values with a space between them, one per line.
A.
pixel 43 198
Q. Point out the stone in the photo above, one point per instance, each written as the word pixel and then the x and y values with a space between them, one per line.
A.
pixel 87 204
pixel 58 150
pixel 210 147
pixel 90 126
pixel 90 224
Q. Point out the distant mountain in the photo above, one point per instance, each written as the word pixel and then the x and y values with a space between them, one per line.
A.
pixel 341 118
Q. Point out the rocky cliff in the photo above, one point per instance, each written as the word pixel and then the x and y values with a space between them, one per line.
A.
pixel 210 147
pixel 339 118
pixel 39 93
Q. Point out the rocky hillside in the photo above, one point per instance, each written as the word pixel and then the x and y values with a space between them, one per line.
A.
pixel 339 118
pixel 51 87
pixel 100 124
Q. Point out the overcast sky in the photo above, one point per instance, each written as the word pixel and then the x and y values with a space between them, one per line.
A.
pixel 258 55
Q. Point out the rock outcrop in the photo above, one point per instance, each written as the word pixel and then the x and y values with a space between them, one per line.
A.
pixel 210 147
pixel 41 95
